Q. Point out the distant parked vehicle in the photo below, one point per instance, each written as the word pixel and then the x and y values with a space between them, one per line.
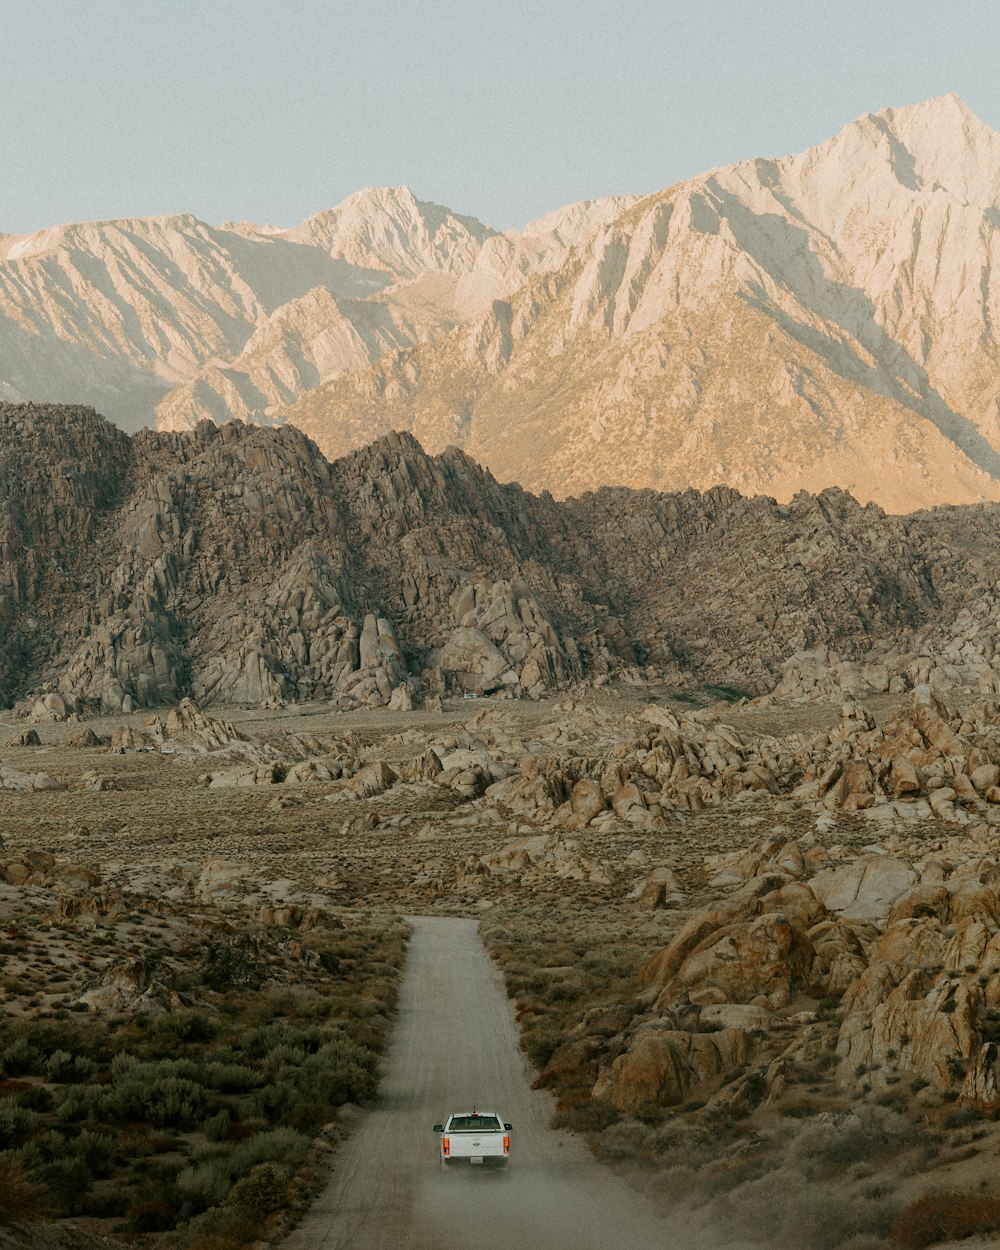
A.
pixel 474 1139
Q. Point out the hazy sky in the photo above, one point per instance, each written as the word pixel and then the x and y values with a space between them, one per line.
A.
pixel 505 110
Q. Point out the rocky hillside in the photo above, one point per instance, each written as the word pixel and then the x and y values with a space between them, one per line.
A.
pixel 236 564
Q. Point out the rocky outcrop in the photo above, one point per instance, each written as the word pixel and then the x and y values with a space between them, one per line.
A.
pixel 236 565
pixel 908 947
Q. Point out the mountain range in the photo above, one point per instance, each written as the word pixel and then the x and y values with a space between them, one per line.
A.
pixel 824 319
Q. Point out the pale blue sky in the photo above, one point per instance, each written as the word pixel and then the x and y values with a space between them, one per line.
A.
pixel 505 110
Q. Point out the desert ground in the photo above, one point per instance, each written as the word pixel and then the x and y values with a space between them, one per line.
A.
pixel 748 961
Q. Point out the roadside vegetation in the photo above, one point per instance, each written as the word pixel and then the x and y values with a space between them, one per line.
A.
pixel 198 1128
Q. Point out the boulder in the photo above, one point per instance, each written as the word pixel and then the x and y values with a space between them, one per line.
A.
pixel 662 1066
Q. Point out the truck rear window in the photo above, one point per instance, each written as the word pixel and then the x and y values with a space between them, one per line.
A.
pixel 475 1124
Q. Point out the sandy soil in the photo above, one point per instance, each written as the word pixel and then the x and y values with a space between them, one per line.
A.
pixel 456 1044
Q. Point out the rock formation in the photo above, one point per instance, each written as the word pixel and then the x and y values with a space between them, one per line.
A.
pixel 236 564
pixel 905 945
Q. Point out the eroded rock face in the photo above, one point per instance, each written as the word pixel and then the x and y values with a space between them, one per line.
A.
pixel 662 1065
pixel 910 949
pixel 235 564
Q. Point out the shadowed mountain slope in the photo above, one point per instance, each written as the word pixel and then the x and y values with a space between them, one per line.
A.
pixel 235 563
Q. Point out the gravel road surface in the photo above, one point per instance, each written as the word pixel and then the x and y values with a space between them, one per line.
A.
pixel 455 1044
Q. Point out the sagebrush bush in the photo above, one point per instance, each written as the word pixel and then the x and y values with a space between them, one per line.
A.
pixel 628 1139
pixel 260 1041
pixel 783 1209
pixel 21 1057
pixel 230 1078
pixel 65 1068
pixel 186 1026
pixel 208 1182
pixel 20 1198
pixel 340 1071
pixel 262 1191
pixel 278 1145
pixel 540 1040
pixel 16 1122
pixel 283 1056
pixel 65 1183
pixel 216 1127
pixel 165 1101
pixel 866 1133
pixel 682 1142
pixel 93 1149
pixel 219 1228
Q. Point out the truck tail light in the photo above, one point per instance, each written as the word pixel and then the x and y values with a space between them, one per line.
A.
pixel 506 1145
pixel 446 1145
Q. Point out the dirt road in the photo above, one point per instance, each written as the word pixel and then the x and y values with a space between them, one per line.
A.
pixel 455 1044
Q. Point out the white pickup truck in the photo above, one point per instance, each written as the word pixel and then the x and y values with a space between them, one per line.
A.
pixel 478 1138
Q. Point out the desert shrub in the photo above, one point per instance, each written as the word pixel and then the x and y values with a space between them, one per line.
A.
pixel 628 1139
pixel 19 1197
pixel 93 1149
pixel 164 1101
pixel 679 1142
pixel 44 1147
pixel 28 1043
pixel 285 1056
pixel 731 1174
pixel 216 1127
pixel 827 1221
pixel 35 1098
pixel 281 1100
pixel 21 1057
pixel 66 1068
pixel 865 1133
pixel 961 1117
pixel 263 1190
pixel 152 1215
pixel 15 1122
pixel 185 1026
pixel 219 1228
pixel 206 1184
pixel 126 1064
pixel 541 1041
pixel 66 1183
pixel 230 1078
pixel 945 1216
pixel 108 1202
pixel 340 1071
pixel 279 1145
pixel 80 1102
pixel 781 1208
pixel 588 1115
pixel 260 1041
